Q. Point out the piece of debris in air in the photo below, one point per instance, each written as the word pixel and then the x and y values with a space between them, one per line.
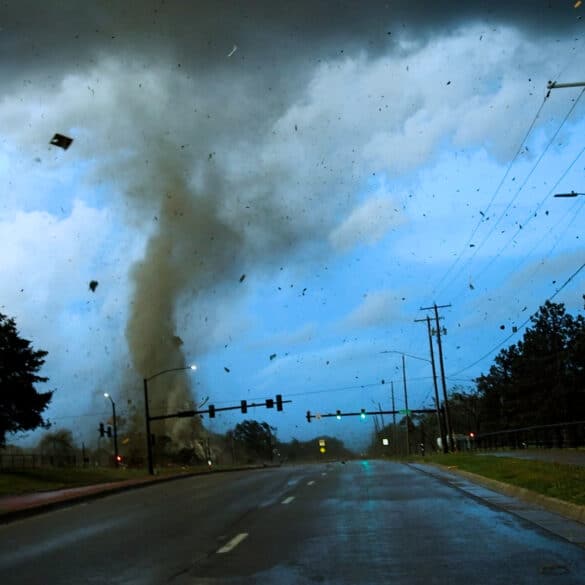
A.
pixel 471 286
pixel 502 327
pixel 234 49
pixel 272 356
pixel 242 278
pixel 514 329
pixel 61 141
pixel 226 369
pixel 93 285
pixel 472 245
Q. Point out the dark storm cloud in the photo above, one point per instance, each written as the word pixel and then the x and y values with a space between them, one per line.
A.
pixel 44 35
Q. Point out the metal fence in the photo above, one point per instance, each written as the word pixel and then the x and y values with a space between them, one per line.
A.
pixel 561 435
pixel 35 460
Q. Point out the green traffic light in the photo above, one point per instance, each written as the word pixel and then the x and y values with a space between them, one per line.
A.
pixel 363 414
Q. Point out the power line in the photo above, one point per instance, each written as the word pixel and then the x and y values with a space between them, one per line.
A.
pixel 511 202
pixel 494 195
pixel 521 326
pixel 530 216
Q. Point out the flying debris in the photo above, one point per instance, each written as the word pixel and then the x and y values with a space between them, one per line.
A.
pixel 502 327
pixel 234 49
pixel 471 286
pixel 272 356
pixel 514 329
pixel 472 245
pixel 93 285
pixel 61 141
pixel 226 369
pixel 242 278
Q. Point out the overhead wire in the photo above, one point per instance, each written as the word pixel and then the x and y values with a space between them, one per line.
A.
pixel 529 217
pixel 521 326
pixel 494 195
pixel 516 195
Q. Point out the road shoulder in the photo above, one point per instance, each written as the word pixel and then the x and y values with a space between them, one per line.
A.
pixel 561 518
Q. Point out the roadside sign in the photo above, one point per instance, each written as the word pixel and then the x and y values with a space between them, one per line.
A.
pixel 385 442
pixel 321 442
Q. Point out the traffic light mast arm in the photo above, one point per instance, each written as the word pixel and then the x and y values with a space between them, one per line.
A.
pixel 190 413
pixel 339 414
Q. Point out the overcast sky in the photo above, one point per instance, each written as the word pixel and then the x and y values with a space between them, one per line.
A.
pixel 289 178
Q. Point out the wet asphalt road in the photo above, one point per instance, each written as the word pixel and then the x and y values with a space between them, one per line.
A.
pixel 364 522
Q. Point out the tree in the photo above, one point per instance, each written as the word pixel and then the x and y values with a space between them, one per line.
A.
pixel 540 379
pixel 21 405
pixel 59 442
pixel 257 438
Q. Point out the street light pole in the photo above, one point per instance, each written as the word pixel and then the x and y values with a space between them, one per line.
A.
pixel 148 437
pixel 149 453
pixel 114 422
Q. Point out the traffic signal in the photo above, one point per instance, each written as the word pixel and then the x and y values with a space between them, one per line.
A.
pixel 102 430
pixel 244 406
pixel 119 458
pixel 211 411
pixel 269 403
pixel 109 432
pixel 279 402
pixel 308 416
pixel 363 414
pixel 338 415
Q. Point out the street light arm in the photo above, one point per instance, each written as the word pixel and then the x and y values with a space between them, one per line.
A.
pixel 167 371
pixel 555 85
pixel 571 194
pixel 407 354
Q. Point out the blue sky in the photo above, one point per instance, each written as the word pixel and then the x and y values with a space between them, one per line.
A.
pixel 344 183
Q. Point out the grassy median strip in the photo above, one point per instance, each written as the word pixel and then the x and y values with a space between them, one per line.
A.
pixel 556 480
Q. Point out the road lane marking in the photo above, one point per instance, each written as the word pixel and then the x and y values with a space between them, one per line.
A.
pixel 311 483
pixel 226 548
pixel 288 500
pixel 323 474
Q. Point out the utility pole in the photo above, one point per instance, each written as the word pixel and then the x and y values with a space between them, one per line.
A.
pixel 442 365
pixel 405 405
pixel 440 420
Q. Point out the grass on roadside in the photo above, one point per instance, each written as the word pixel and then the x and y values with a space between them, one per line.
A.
pixel 556 480
pixel 54 478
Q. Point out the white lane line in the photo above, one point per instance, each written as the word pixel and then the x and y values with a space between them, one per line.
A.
pixel 311 482
pixel 323 474
pixel 288 500
pixel 226 548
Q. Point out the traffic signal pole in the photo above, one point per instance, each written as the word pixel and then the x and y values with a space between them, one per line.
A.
pixel 211 410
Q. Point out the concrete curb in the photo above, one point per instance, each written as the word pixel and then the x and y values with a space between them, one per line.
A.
pixel 108 489
pixel 566 509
